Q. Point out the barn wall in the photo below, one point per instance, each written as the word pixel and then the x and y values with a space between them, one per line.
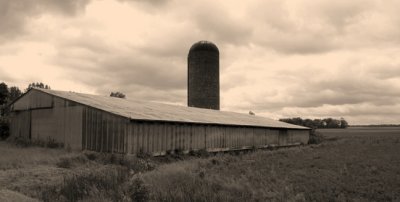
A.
pixel 73 127
pixel 20 124
pixel 32 100
pixel 44 125
pixel 39 116
pixel 61 124
pixel 160 137
pixel 104 132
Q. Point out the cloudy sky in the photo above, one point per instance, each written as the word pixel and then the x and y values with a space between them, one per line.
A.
pixel 278 58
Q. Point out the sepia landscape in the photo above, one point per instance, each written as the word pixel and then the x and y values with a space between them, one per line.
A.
pixel 201 100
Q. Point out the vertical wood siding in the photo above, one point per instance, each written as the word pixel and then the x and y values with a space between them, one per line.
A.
pixel 104 132
pixel 60 124
pixel 20 124
pixel 161 137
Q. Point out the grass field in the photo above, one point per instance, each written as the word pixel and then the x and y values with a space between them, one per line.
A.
pixel 354 164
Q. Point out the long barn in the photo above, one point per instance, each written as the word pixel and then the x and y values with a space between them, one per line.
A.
pixel 107 124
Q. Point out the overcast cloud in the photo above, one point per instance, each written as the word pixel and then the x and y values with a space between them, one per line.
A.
pixel 279 58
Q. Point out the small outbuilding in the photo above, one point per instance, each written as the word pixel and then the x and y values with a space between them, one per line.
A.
pixel 108 124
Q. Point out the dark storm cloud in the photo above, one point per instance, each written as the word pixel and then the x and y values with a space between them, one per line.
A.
pixel 15 13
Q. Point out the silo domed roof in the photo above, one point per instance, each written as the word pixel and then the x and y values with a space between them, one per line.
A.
pixel 204 46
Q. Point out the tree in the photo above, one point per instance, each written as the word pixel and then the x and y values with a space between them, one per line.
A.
pixel 3 93
pixel 309 123
pixel 343 123
pixel 332 123
pixel 37 85
pixel 117 94
pixel 14 93
pixel 317 123
pixel 4 124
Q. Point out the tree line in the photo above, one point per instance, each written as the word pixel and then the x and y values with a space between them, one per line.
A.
pixel 317 123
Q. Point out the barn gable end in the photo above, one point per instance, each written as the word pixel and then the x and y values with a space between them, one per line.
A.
pixel 40 116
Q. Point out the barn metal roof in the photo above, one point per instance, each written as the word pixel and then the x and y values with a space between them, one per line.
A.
pixel 153 111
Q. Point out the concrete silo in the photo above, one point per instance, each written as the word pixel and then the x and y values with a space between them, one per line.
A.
pixel 203 75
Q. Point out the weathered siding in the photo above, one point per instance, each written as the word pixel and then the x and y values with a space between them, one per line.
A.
pixel 33 100
pixel 104 132
pixel 73 127
pixel 160 137
pixel 64 125
pixel 40 116
pixel 21 124
pixel 45 125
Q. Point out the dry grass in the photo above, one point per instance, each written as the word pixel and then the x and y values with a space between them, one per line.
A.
pixel 13 157
pixel 351 165
pixel 354 166
pixel 12 196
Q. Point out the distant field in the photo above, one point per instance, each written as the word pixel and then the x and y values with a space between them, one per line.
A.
pixel 354 164
pixel 361 131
